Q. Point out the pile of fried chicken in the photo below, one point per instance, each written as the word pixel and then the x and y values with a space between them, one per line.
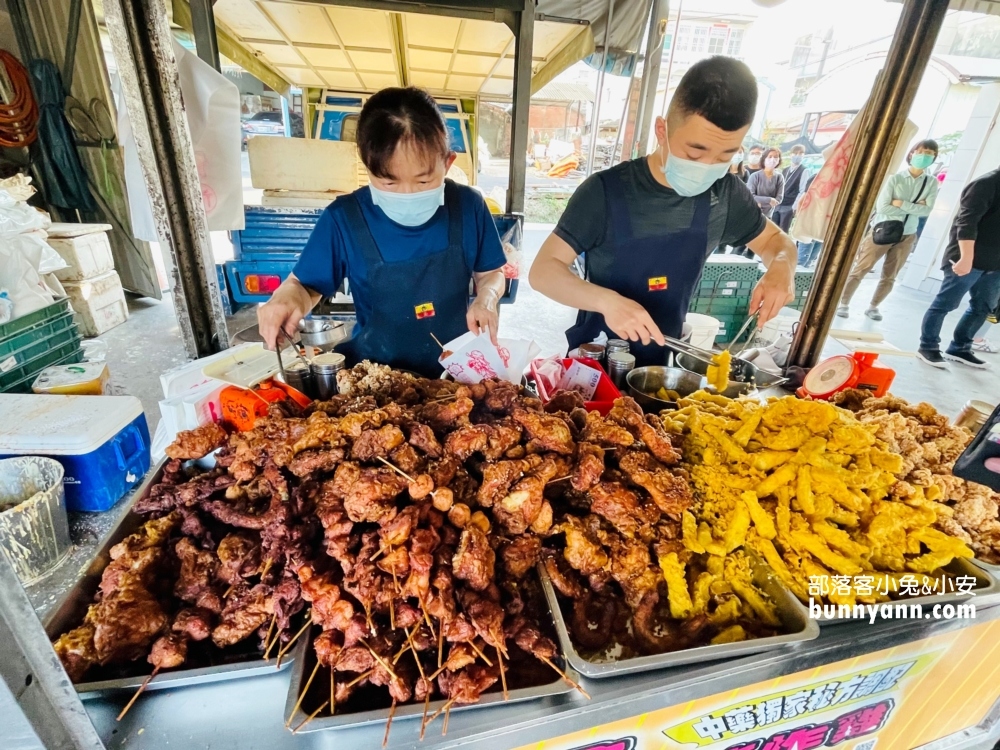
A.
pixel 408 515
pixel 929 445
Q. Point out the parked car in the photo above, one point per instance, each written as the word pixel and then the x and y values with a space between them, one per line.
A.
pixel 271 123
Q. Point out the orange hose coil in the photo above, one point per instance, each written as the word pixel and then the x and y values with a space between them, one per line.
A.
pixel 18 117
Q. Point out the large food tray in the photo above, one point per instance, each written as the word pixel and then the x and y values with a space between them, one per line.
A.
pixel 986 590
pixel 232 663
pixel 541 682
pixel 794 617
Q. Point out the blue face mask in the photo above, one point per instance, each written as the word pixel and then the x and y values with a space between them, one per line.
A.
pixel 796 159
pixel 409 209
pixel 921 161
pixel 691 178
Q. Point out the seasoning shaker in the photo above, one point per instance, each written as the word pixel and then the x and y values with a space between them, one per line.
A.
pixel 592 351
pixel 617 345
pixel 299 376
pixel 974 415
pixel 620 364
pixel 324 372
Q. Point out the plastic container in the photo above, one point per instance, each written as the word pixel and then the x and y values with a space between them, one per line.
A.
pixel 63 348
pixel 100 303
pixel 84 379
pixel 34 532
pixel 704 329
pixel 23 323
pixel 604 396
pixel 88 253
pixel 102 443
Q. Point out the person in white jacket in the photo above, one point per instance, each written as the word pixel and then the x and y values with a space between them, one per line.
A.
pixel 905 197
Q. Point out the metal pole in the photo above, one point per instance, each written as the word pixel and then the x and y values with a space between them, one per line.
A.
pixel 523 26
pixel 884 117
pixel 595 119
pixel 651 74
pixel 142 44
pixel 34 675
pixel 670 60
pixel 205 39
pixel 72 35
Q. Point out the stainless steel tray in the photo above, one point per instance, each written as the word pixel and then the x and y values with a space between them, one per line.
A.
pixel 794 617
pixel 986 591
pixel 232 663
pixel 305 660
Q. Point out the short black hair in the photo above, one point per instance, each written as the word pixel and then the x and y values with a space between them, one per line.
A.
pixel 929 144
pixel 720 89
pixel 394 116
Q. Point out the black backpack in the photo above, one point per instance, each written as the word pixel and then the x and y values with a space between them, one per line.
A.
pixel 890 232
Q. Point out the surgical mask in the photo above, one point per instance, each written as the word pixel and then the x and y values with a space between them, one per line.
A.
pixel 921 161
pixel 754 159
pixel 771 162
pixel 409 209
pixel 796 159
pixel 691 178
pixel 737 158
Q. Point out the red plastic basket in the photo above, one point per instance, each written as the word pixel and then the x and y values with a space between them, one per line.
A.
pixel 604 396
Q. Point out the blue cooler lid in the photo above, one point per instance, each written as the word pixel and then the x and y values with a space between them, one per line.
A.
pixel 62 425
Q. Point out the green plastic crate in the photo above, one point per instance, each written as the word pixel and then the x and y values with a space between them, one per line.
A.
pixel 27 345
pixel 22 376
pixel 19 325
pixel 726 268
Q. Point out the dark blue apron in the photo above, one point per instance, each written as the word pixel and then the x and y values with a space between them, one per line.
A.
pixel 658 272
pixel 412 298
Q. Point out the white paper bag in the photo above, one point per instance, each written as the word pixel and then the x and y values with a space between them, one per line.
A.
pixel 473 359
pixel 516 354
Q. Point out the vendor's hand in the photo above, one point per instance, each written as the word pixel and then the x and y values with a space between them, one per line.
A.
pixel 993 464
pixel 775 289
pixel 283 310
pixel 897 203
pixel 630 320
pixel 962 266
pixel 483 315
pixel 774 202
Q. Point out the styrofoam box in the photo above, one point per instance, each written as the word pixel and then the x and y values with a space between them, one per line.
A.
pixel 99 303
pixel 101 441
pixel 88 255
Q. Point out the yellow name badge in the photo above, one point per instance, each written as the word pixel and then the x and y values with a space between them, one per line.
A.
pixel 658 283
pixel 425 310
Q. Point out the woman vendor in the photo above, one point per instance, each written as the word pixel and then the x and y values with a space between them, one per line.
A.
pixel 409 244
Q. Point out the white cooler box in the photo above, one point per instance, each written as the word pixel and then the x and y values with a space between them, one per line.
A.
pixel 101 441
pixel 99 303
pixel 85 247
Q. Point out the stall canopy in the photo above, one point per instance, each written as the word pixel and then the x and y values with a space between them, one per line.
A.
pixel 319 45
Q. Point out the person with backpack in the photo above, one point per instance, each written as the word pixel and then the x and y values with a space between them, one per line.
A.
pixel 905 197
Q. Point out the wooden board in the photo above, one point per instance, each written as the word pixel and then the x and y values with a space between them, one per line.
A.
pixel 303 164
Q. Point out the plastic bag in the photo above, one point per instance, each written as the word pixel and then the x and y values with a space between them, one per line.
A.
pixel 511 242
pixel 19 257
pixel 17 217
pixel 6 307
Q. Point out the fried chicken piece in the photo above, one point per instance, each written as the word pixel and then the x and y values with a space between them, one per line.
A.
pixel 670 491
pixel 355 659
pixel 528 637
pixel 141 566
pixel 564 579
pixel 337 526
pixel 486 617
pixel 197 572
pixel 523 505
pixel 328 647
pixel 459 630
pixel 195 623
pixel 239 557
pixel 498 478
pixel 501 437
pixel 465 441
pixel 443 472
pixel 501 396
pixel 423 543
pixel 315 460
pixel 76 650
pixel 126 623
pixel 589 466
pixel 246 610
pixel 369 493
pixel 521 555
pixel 583 553
pixel 627 413
pixel 593 620
pixel 565 401
pixel 467 685
pixel 423 438
pixel 407 459
pixel 546 432
pixel 377 443
pixel 169 651
pixel 448 414
pixel 474 559
pixel 622 508
pixel 632 569
pixel 605 433
pixel 197 443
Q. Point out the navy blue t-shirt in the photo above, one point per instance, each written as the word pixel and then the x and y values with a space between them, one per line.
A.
pixel 331 255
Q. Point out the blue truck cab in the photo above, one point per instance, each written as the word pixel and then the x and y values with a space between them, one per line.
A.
pixel 266 250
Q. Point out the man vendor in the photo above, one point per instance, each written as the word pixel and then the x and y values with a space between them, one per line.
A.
pixel 648 225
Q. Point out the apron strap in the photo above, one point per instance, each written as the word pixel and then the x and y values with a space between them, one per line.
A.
pixel 453 204
pixel 360 231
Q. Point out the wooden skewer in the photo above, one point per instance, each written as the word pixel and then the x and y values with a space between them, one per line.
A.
pixel 267 638
pixel 503 676
pixel 416 656
pixel 388 723
pixel 266 567
pixel 565 677
pixel 284 649
pixel 302 695
pixel 481 654
pixel 561 479
pixel 359 678
pixel 437 341
pixel 229 591
pixel 392 615
pixel 380 660
pixel 333 690
pixel 438 712
pixel 447 713
pixel 423 719
pixel 427 617
pixel 311 716
pixel 439 671
pixel 138 692
pixel 396 469
pixel 440 644
pixel 368 619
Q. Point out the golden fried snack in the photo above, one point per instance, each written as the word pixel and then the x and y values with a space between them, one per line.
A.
pixel 718 372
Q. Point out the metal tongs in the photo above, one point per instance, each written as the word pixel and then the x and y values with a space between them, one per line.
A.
pixel 702 355
pixel 750 319
pixel 277 350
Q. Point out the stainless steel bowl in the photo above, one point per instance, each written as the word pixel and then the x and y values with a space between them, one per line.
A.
pixel 743 376
pixel 322 333
pixel 644 382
